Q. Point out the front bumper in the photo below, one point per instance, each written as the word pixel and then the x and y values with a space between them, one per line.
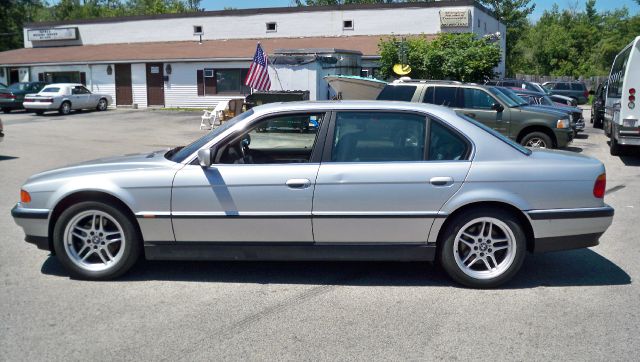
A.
pixel 565 229
pixel 564 137
pixel 35 223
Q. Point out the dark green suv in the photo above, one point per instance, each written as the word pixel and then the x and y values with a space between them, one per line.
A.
pixel 12 97
pixel 498 108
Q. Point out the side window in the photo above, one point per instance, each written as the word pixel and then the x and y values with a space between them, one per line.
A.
pixel 75 90
pixel 286 138
pixel 477 99
pixel 529 86
pixel 577 86
pixel 397 93
pixel 378 137
pixel 562 86
pixel 428 95
pixel 446 96
pixel 444 144
pixel 509 83
pixel 84 90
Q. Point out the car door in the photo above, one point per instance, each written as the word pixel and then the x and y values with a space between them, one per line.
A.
pixel 481 106
pixel 79 97
pixel 259 188
pixel 380 181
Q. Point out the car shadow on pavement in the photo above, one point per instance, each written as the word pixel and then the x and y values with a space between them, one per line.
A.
pixel 6 158
pixel 582 136
pixel 571 268
pixel 573 149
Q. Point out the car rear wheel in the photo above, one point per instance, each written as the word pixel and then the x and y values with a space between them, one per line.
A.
pixel 483 248
pixel 96 241
pixel 65 108
pixel 39 113
pixel 6 110
pixel 102 105
pixel 537 140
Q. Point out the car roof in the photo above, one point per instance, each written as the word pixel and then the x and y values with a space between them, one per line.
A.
pixel 526 91
pixel 64 85
pixel 438 111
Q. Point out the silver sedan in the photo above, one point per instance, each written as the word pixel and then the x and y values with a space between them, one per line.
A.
pixel 65 97
pixel 323 181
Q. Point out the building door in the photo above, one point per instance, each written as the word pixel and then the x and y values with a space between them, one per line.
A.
pixel 14 76
pixel 124 96
pixel 155 84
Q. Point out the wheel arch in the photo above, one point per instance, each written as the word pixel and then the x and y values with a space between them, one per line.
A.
pixel 522 217
pixel 538 128
pixel 88 195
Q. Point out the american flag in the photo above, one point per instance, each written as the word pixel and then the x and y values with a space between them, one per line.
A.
pixel 258 76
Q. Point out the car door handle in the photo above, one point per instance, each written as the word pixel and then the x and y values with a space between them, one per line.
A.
pixel 298 183
pixel 441 181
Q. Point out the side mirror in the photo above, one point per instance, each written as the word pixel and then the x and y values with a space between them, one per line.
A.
pixel 204 157
pixel 497 107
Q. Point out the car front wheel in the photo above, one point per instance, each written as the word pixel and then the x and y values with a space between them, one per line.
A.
pixel 483 248
pixel 102 105
pixel 537 140
pixel 96 241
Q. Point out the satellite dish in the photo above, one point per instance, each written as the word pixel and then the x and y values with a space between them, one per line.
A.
pixel 401 69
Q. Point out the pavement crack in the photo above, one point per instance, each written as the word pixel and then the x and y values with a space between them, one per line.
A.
pixel 614 189
pixel 245 323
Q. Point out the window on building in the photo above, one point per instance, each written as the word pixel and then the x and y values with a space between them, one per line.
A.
pixel 478 23
pixel 347 25
pixel 221 81
pixel 63 77
pixel 197 30
pixel 272 27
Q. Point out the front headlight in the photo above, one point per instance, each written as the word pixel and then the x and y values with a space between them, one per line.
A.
pixel 563 123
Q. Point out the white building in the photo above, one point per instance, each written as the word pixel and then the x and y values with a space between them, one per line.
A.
pixel 198 59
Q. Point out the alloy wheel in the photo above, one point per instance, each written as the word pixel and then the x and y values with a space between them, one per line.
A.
pixel 484 248
pixel 94 240
pixel 536 142
pixel 102 105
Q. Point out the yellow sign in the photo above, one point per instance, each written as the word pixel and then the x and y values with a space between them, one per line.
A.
pixel 401 69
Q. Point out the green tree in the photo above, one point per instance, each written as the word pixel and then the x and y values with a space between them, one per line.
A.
pixel 459 56
pixel 513 14
pixel 13 15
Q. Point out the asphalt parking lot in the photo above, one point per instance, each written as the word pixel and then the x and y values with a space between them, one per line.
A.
pixel 570 305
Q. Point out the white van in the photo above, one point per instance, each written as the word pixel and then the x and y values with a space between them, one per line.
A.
pixel 622 113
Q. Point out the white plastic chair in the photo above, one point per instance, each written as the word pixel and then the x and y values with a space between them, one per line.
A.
pixel 210 119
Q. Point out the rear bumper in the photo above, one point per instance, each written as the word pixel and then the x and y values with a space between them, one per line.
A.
pixel 39 105
pixel 10 104
pixel 34 222
pixel 565 229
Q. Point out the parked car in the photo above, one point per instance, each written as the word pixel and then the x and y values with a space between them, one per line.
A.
pixel 542 100
pixel 598 105
pixel 64 97
pixel 3 86
pixel 516 119
pixel 12 97
pixel 575 90
pixel 376 181
pixel 621 116
pixel 514 83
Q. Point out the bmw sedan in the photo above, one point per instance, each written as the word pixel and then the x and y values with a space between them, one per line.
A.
pixel 368 181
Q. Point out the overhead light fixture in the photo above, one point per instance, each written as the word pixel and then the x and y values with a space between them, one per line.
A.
pixel 109 70
pixel 168 69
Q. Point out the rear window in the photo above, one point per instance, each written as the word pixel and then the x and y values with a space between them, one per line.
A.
pixel 397 93
pixel 499 135
pixel 51 90
pixel 562 86
pixel 577 86
pixel 18 87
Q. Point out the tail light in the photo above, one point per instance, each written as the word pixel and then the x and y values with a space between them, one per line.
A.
pixel 7 96
pixel 599 186
pixel 586 93
pixel 632 98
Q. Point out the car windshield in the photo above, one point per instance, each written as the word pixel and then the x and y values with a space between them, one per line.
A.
pixel 179 154
pixel 499 135
pixel 514 97
pixel 546 101
pixel 18 87
pixel 50 90
pixel 498 92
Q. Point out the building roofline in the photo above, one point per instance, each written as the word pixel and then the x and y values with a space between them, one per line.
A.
pixel 259 11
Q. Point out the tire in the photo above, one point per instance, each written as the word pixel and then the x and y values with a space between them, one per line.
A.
pixel 39 113
pixel 102 105
pixel 6 110
pixel 89 249
pixel 466 259
pixel 65 108
pixel 614 146
pixel 542 140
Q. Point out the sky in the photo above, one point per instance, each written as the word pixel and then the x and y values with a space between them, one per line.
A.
pixel 541 5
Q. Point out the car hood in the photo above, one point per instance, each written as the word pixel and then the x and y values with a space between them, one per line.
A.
pixel 537 109
pixel 139 161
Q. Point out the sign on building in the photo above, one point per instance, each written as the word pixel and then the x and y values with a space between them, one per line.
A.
pixel 52 34
pixel 454 18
